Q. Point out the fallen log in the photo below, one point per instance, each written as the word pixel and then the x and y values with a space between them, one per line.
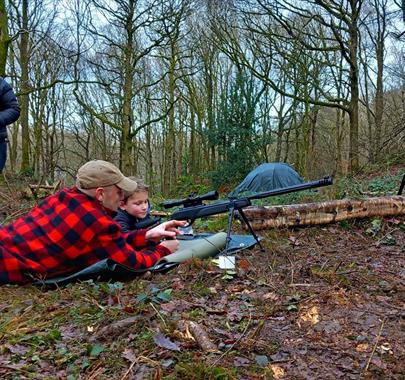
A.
pixel 262 217
pixel 41 190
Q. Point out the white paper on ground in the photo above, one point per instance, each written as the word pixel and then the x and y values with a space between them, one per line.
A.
pixel 226 262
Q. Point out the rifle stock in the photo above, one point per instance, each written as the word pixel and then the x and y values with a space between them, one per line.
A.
pixel 150 222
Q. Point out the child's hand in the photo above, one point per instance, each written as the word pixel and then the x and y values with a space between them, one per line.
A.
pixel 171 245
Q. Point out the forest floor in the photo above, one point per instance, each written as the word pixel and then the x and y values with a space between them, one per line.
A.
pixel 322 302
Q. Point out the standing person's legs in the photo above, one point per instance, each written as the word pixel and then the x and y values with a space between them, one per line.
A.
pixel 3 153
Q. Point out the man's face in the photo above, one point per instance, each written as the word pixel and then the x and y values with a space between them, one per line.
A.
pixel 111 197
pixel 137 204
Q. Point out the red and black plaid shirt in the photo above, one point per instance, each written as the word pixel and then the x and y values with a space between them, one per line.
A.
pixel 67 232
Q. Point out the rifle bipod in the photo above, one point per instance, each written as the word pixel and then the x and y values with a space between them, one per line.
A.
pixel 232 208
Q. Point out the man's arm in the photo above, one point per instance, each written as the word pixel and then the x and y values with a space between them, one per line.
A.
pixel 139 254
pixel 131 249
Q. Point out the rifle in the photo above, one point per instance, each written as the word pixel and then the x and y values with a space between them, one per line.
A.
pixel 192 200
pixel 200 210
pixel 147 223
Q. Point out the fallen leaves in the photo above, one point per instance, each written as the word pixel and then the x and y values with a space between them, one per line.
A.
pixel 165 342
pixel 277 318
pixel 278 372
pixel 310 315
pixel 363 347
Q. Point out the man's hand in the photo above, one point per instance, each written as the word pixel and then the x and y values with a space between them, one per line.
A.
pixel 165 230
pixel 171 245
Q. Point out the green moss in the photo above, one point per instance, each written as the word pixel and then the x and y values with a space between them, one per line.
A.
pixel 201 371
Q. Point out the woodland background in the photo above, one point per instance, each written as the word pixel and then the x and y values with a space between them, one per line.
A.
pixel 191 95
pixel 198 92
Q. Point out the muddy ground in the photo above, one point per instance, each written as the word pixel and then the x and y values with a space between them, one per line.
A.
pixel 318 303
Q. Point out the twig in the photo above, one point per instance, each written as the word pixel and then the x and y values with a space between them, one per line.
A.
pixel 375 346
pixel 236 342
pixel 292 269
pixel 387 234
pixel 338 266
pixel 258 330
pixel 129 369
pixel 93 301
pixel 311 297
pixel 201 337
pixel 262 283
pixel 114 329
pixel 6 197
pixel 323 265
pixel 13 368
pixel 6 181
pixel 347 272
pixel 149 361
pixel 97 370
pixel 158 313
pixel 14 215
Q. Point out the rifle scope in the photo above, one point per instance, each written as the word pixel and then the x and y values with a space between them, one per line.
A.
pixel 192 200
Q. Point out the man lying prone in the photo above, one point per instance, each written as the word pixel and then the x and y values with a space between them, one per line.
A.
pixel 74 228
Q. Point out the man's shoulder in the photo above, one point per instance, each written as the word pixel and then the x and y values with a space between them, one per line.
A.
pixel 4 85
pixel 72 199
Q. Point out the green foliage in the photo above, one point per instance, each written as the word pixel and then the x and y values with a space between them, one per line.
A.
pixel 94 350
pixel 348 187
pixel 214 223
pixel 345 224
pixel 385 185
pixel 200 371
pixel 155 295
pixel 382 184
pixel 27 172
pixel 234 136
pixel 188 184
pixel 375 228
pixel 291 198
pixel 110 288
pixel 231 171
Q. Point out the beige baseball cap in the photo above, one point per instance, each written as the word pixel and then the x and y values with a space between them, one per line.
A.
pixel 99 173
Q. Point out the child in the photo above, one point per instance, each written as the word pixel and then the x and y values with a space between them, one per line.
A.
pixel 134 210
pixel 134 213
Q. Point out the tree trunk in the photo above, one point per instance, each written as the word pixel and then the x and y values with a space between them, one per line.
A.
pixel 4 37
pixel 379 96
pixel 210 163
pixel 354 90
pixel 127 148
pixel 170 137
pixel 339 126
pixel 24 98
pixel 323 212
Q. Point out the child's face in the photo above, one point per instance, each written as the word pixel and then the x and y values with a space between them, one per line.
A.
pixel 137 204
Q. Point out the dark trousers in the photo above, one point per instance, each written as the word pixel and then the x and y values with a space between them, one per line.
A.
pixel 3 153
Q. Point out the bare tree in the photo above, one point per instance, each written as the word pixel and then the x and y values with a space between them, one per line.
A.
pixel 324 27
pixel 125 33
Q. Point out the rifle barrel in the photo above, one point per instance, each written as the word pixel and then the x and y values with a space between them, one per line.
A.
pixel 290 189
